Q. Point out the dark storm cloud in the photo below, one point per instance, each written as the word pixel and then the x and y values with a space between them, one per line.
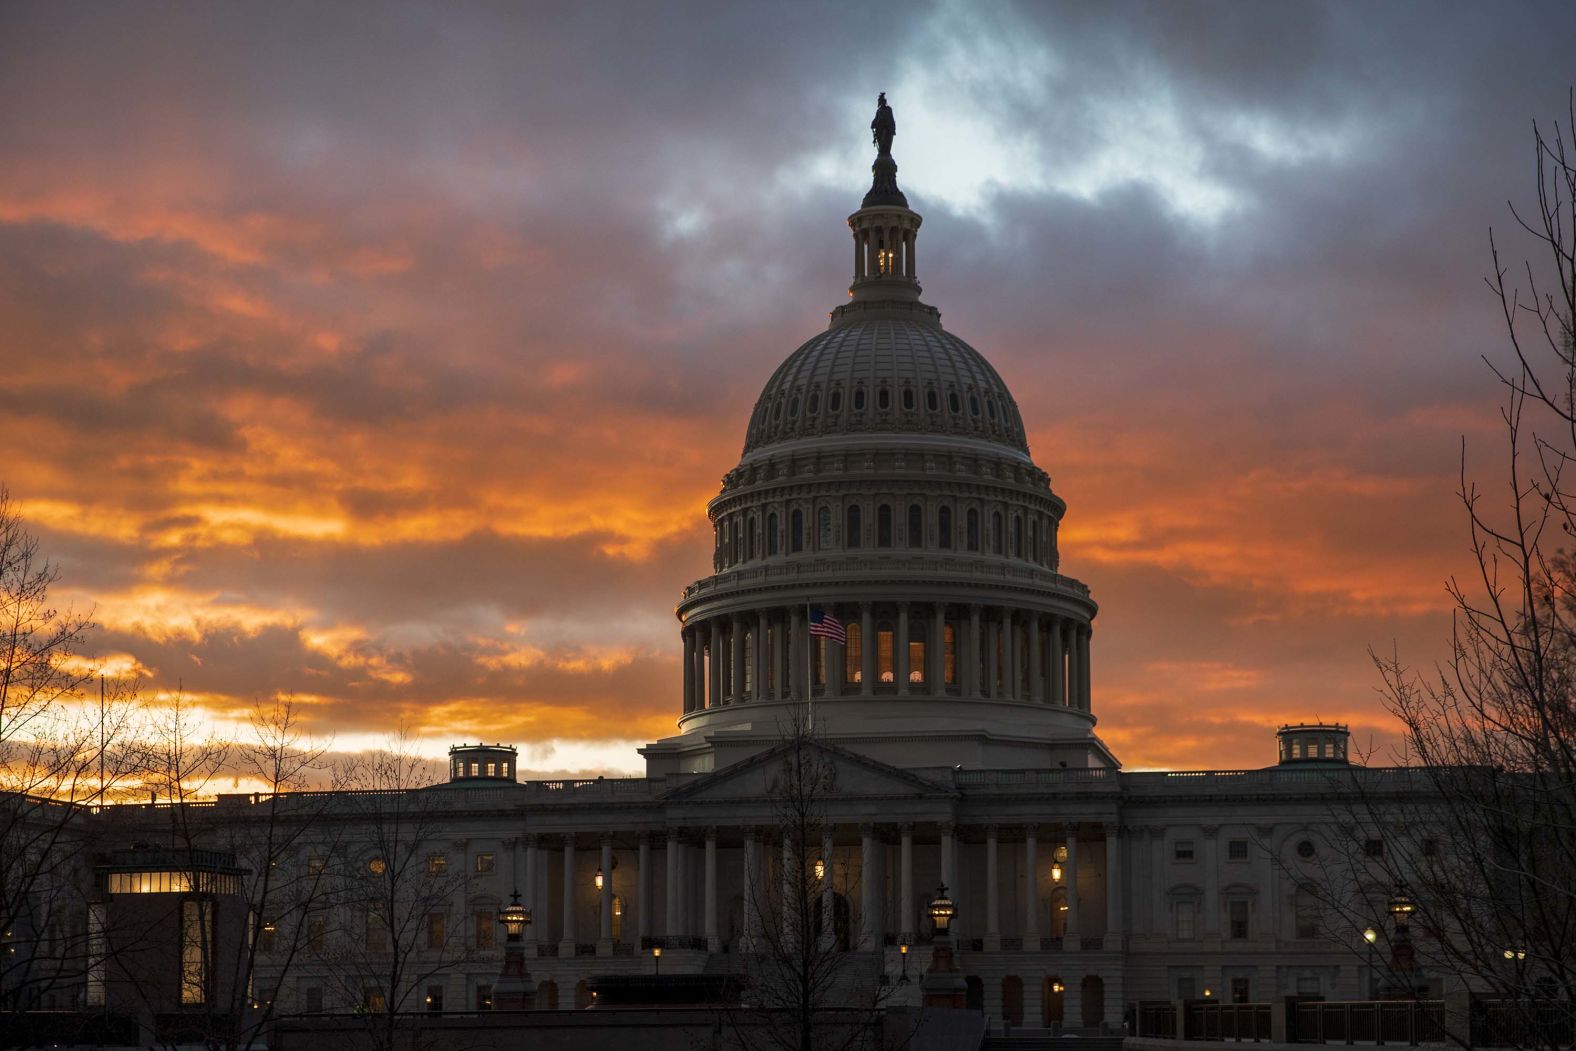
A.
pixel 360 345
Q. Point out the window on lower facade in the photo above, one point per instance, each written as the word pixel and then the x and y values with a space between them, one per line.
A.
pixel 485 922
pixel 1237 913
pixel 484 998
pixel 1241 991
pixel 435 999
pixel 1186 919
pixel 196 947
pixel 1236 850
pixel 435 924
pixel 372 999
pixel 1187 988
pixel 314 999
pixel 1182 850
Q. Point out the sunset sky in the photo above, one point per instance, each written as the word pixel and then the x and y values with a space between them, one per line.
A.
pixel 387 356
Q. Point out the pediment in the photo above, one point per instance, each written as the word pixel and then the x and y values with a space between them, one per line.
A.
pixel 851 776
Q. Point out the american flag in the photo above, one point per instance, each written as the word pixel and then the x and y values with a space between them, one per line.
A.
pixel 826 626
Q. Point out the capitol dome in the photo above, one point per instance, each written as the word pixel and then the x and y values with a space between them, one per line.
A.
pixel 885 376
pixel 886 560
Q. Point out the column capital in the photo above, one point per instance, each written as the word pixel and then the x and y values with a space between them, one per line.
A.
pixel 906 828
pixel 1031 829
pixel 605 838
pixel 530 839
pixel 1112 830
pixel 711 833
pixel 569 839
pixel 673 834
pixel 991 830
pixel 867 828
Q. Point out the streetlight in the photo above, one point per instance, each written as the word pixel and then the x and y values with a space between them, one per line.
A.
pixel 941 910
pixel 656 958
pixel 1371 936
pixel 1518 954
pixel 599 879
pixel 903 951
pixel 510 994
pixel 1056 872
pixel 820 869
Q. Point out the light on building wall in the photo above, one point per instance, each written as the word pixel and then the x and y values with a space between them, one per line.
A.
pixel 1056 873
pixel 1058 987
pixel 1208 992
pixel 820 869
pixel 599 879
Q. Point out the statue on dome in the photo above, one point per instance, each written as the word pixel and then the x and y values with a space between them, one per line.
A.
pixel 883 127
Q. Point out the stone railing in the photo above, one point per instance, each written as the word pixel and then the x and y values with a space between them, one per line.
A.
pixel 816 569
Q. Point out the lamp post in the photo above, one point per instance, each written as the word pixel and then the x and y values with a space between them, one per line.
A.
pixel 1402 960
pixel 656 959
pixel 513 991
pixel 902 950
pixel 1371 936
pixel 942 984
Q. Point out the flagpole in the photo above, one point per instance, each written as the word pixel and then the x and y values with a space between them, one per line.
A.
pixel 809 669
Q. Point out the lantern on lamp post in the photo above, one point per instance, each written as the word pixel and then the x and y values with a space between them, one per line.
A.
pixel 1403 962
pixel 513 991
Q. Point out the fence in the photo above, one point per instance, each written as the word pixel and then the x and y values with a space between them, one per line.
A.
pixel 1370 1022
pixel 1215 1020
pixel 1523 1023
pixel 1157 1018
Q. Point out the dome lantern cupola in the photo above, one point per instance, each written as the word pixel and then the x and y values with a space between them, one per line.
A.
pixel 885 231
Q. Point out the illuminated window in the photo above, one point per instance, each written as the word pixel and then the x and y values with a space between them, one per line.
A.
pixel 484 863
pixel 475 769
pixel 884 653
pixel 435 999
pixel 266 935
pixel 916 660
pixel 484 998
pixel 196 945
pixel 492 769
pixel 853 655
pixel 372 999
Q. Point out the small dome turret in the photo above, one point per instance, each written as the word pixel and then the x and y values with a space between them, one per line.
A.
pixel 482 762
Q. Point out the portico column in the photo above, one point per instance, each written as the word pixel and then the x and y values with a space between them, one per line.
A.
pixel 992 893
pixel 1113 887
pixel 713 944
pixel 715 700
pixel 900 650
pixel 936 652
pixel 1211 882
pixel 689 669
pixel 870 909
pixel 752 891
pixel 1031 887
pixel 949 865
pixel 643 893
pixel 867 650
pixel 971 655
pixel 670 919
pixel 1071 637
pixel 1036 687
pixel 905 909
pixel 1058 693
pixel 530 886
pixel 566 945
pixel 763 688
pixel 604 942
pixel 1071 938
pixel 828 895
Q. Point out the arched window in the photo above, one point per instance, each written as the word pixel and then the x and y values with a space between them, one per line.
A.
pixel 995 533
pixel 884 399
pixel 954 403
pixel 813 403
pixel 859 399
pixel 796 531
pixel 823 529
pixel 944 528
pixel 932 400
pixel 884 526
pixel 916 526
pixel 972 529
pixel 754 531
pixel 771 534
pixel 908 399
pixel 853 536
pixel 949 655
pixel 793 408
pixel 974 404
pixel 737 527
pixel 834 401
pixel 990 409
pixel 1017 536
pixel 854 654
pixel 884 666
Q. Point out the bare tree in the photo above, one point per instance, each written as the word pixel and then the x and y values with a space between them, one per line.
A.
pixel 805 991
pixel 1482 844
pixel 396 893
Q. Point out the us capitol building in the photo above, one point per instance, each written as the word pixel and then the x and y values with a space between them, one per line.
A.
pixel 886 481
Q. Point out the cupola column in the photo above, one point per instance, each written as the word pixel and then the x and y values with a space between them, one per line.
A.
pixel 935 652
pixel 689 670
pixel 993 657
pixel 1083 668
pixel 971 655
pixel 781 656
pixel 1014 689
pixel 763 689
pixel 900 646
pixel 714 655
pixel 867 650
pixel 736 630
pixel 1057 685
pixel 1036 686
